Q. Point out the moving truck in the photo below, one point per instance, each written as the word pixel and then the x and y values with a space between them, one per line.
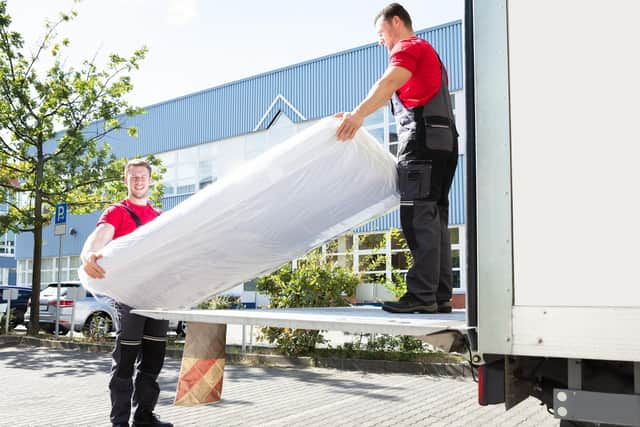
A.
pixel 552 90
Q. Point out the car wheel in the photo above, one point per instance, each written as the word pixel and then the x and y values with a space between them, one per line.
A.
pixel 98 324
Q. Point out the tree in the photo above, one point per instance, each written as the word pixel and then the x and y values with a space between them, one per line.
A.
pixel 42 165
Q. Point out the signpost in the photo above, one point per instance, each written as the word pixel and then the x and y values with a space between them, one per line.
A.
pixel 60 230
pixel 8 295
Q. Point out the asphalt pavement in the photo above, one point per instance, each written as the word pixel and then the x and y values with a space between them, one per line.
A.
pixel 49 387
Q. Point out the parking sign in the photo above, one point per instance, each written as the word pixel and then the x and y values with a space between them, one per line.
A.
pixel 60 219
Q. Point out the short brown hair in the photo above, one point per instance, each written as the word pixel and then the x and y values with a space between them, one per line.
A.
pixel 136 162
pixel 395 9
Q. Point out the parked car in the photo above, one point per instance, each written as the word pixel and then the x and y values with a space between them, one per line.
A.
pixel 90 313
pixel 20 304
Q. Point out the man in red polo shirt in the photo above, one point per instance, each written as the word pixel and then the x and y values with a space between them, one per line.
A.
pixel 416 82
pixel 138 339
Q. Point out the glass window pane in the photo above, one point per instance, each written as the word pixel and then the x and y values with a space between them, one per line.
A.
pixel 372 262
pixel 378 134
pixel 249 286
pixel 75 261
pixel 397 240
pixel 454 233
pixel 401 260
pixel 344 261
pixel 373 278
pixel 185 187
pixel 393 135
pixel 456 279
pixel 340 245
pixel 73 275
pixel 47 263
pixel 455 258
pixel 376 118
pixel 371 241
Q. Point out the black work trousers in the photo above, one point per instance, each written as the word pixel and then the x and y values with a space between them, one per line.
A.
pixel 425 224
pixel 140 349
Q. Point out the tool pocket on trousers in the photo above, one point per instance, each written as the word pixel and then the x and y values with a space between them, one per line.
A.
pixel 439 137
pixel 414 179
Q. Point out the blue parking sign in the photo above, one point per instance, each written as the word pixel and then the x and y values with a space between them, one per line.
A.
pixel 61 213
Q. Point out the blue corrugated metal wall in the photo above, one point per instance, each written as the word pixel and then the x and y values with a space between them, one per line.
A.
pixel 316 88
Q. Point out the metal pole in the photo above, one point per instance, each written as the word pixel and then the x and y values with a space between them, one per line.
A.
pixel 8 315
pixel 58 293
pixel 73 313
pixel 244 339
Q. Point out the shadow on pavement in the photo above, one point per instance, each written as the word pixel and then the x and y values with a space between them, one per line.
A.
pixel 82 364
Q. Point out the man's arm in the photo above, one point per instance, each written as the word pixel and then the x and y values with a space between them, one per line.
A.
pixel 90 254
pixel 379 94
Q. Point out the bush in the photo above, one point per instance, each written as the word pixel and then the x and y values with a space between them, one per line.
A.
pixel 220 302
pixel 3 321
pixel 312 284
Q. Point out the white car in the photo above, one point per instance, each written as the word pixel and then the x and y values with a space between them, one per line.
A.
pixel 91 314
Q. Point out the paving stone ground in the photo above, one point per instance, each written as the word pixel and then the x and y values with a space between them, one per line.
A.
pixel 45 387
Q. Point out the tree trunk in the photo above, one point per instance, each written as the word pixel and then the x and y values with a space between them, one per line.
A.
pixel 34 320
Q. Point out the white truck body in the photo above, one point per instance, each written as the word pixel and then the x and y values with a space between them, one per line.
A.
pixel 556 103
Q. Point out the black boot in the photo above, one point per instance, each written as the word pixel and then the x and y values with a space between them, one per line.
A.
pixel 150 420
pixel 410 304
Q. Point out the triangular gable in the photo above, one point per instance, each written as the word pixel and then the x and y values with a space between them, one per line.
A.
pixel 279 105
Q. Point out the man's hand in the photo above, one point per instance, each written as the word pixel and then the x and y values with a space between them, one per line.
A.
pixel 349 126
pixel 91 266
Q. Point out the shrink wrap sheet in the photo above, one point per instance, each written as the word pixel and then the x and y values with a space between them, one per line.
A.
pixel 301 193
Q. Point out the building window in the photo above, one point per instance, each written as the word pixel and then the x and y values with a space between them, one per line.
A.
pixel 386 258
pixel 49 270
pixel 7 245
pixel 189 170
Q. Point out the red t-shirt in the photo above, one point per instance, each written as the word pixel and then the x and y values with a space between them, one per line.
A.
pixel 121 219
pixel 420 58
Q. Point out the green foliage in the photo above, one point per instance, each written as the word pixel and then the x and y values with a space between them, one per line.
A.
pixel 293 342
pixel 97 328
pixel 55 121
pixel 312 284
pixel 3 320
pixel 399 284
pixel 219 302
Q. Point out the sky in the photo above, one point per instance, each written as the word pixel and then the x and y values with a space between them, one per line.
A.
pixel 198 44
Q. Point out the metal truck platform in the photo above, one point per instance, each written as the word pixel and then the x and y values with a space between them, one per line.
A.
pixel 359 319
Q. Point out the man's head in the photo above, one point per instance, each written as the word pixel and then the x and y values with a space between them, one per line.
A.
pixel 137 177
pixel 393 24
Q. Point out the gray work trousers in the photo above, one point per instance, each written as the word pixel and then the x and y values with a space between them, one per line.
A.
pixel 425 225
pixel 140 349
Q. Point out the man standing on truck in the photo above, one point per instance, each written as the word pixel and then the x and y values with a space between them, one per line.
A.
pixel 140 341
pixel 417 85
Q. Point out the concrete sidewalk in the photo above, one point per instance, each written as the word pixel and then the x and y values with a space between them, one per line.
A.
pixel 45 387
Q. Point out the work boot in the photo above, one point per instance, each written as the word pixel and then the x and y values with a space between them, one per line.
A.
pixel 444 307
pixel 409 304
pixel 150 420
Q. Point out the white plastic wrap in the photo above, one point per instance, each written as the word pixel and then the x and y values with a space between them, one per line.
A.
pixel 303 192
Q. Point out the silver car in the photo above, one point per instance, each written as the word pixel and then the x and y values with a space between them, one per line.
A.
pixel 91 314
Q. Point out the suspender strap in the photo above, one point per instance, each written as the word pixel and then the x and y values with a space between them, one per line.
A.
pixel 134 216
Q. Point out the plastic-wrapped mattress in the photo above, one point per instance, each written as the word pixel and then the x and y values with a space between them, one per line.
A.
pixel 301 193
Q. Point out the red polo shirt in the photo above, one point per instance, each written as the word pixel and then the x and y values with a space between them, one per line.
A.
pixel 121 219
pixel 420 58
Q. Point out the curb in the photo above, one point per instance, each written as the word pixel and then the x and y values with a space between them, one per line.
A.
pixel 449 370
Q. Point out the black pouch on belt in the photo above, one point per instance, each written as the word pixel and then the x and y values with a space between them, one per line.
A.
pixel 414 179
